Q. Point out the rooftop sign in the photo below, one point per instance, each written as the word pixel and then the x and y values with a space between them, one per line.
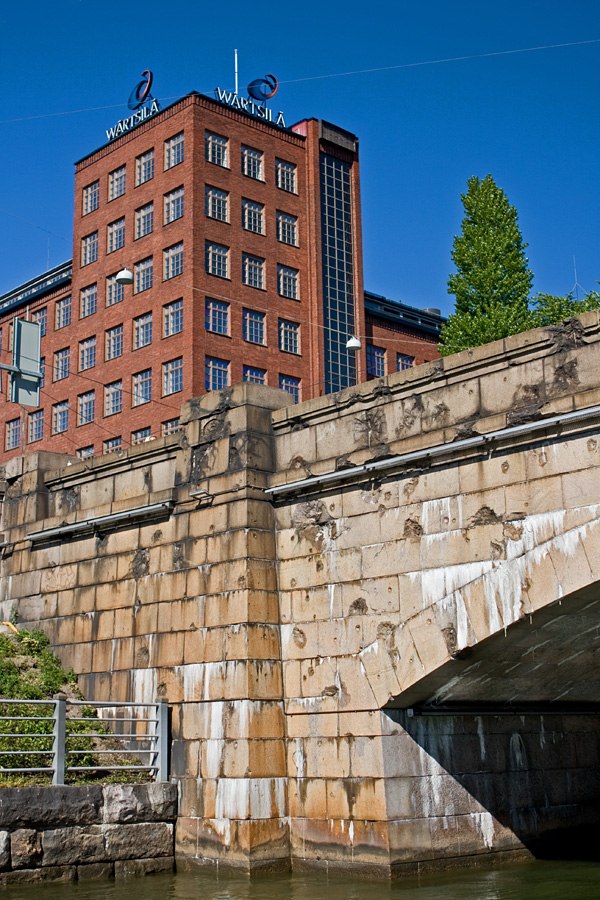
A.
pixel 260 89
pixel 142 103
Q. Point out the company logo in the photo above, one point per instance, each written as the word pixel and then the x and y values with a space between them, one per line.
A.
pixel 141 91
pixel 139 96
pixel 263 88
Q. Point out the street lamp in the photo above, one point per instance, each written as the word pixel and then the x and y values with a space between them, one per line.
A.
pixel 353 343
pixel 125 276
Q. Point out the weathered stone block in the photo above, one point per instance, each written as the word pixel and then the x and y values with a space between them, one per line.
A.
pixel 95 871
pixel 4 850
pixel 128 841
pixel 73 845
pixel 133 868
pixel 25 848
pixel 124 803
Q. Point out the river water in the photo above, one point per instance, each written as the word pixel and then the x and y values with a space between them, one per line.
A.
pixel 527 881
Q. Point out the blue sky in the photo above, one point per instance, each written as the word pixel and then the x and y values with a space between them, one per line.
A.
pixel 529 118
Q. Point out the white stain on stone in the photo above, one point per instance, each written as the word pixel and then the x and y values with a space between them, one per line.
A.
pixel 255 798
pixel 481 735
pixel 518 754
pixel 484 822
pixel 143 685
pixel 215 742
pixel 435 514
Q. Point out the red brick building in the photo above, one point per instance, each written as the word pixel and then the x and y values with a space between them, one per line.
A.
pixel 244 240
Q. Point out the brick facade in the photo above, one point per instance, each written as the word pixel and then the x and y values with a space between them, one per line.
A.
pixel 107 223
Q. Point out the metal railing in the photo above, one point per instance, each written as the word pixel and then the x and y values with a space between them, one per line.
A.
pixel 74 731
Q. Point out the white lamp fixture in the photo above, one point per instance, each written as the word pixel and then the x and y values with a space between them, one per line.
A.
pixel 125 276
pixel 353 343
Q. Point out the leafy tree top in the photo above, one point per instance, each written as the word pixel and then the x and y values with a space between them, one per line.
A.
pixel 490 253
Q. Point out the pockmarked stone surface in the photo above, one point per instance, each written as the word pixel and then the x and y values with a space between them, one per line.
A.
pixel 374 614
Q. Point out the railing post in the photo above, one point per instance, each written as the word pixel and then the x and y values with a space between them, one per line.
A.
pixel 59 733
pixel 162 743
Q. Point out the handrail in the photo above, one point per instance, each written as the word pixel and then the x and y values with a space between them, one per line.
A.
pixel 155 735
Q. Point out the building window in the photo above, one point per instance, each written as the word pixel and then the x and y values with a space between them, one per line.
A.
pixel 174 151
pixel 13 434
pixel 144 220
pixel 215 256
pixel 291 385
pixel 254 375
pixel 215 148
pixel 62 364
pixel 286 175
pixel 375 361
pixel 287 230
pixel 87 354
pixel 116 183
pixel 41 317
pixel 144 273
pixel 91 197
pixel 89 301
pixel 216 316
pixel 289 336
pixel 172 376
pixel 216 373
pixel 63 313
pixel 43 371
pixel 114 291
pixel 115 238
pixel 141 436
pixel 252 216
pixel 253 270
pixel 112 445
pixel 113 398
pixel 144 167
pixel 287 282
pixel 89 249
pixel 170 426
pixel 114 342
pixel 86 452
pixel 254 326
pixel 86 408
pixel 403 361
pixel 36 426
pixel 142 331
pixel 142 387
pixel 173 318
pixel 60 417
pixel 173 205
pixel 252 161
pixel 215 203
pixel 173 261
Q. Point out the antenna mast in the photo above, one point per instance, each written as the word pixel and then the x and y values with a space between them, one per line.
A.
pixel 236 71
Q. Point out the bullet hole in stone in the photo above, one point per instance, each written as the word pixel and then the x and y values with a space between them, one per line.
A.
pixel 293 582
pixel 311 671
pixel 428 622
pixel 156 536
pixel 505 467
pixel 542 459
pixel 592 444
pixel 412 530
pixel 319 566
pixel 359 607
pixel 299 637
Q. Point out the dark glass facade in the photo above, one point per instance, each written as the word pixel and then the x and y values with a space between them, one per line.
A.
pixel 338 272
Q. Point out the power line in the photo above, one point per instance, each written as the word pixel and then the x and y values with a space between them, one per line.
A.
pixel 427 62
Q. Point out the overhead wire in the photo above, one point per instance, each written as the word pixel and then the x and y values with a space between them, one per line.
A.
pixel 427 62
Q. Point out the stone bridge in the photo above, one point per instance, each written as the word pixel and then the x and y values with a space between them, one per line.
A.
pixel 375 614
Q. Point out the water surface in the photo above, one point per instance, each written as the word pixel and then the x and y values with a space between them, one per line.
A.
pixel 527 881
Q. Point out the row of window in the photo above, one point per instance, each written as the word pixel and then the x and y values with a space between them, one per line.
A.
pixel 217 262
pixel 216 206
pixel 217 316
pixel 216 151
pixel 142 325
pixel 144 171
pixel 36 433
pixel 217 377
pixel 376 361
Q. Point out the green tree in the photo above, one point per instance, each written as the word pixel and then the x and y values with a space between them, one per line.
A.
pixel 550 310
pixel 493 280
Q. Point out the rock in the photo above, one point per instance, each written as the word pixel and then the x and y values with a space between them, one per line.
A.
pixel 132 868
pixel 4 850
pixel 134 841
pixel 139 802
pixel 65 846
pixel 25 848
pixel 95 871
pixel 50 807
pixel 47 873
